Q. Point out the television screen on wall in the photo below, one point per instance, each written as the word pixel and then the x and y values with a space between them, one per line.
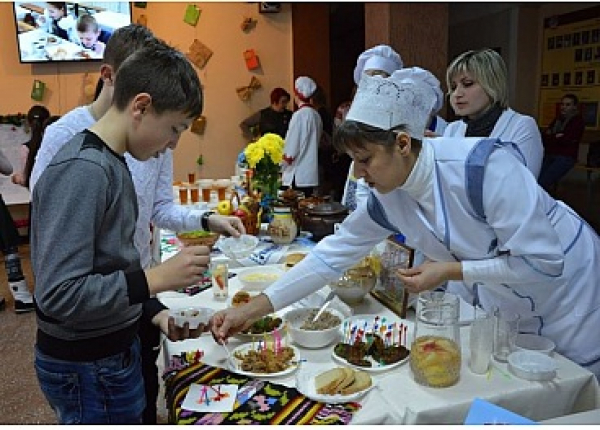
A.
pixel 67 31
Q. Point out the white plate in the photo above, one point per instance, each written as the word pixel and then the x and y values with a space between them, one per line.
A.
pixel 305 383
pixel 235 365
pixel 370 319
pixel 246 337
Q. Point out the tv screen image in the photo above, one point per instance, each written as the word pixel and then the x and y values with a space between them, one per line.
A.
pixel 67 31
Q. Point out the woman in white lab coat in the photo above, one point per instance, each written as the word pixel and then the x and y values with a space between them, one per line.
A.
pixel 478 88
pixel 493 234
pixel 300 153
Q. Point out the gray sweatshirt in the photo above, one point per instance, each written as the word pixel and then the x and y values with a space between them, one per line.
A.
pixel 89 282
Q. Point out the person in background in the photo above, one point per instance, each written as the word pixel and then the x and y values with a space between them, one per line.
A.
pixel 472 233
pixel 36 118
pixel 153 181
pixel 9 244
pixel 332 165
pixel 58 21
pixel 300 153
pixel 478 89
pixel 272 119
pixel 561 142
pixel 90 291
pixel 91 35
pixel 381 60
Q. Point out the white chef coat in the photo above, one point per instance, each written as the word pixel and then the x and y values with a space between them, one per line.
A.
pixel 533 254
pixel 153 181
pixel 302 144
pixel 512 127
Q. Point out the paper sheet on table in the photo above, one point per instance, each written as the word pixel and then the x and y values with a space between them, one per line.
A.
pixel 195 400
pixel 265 253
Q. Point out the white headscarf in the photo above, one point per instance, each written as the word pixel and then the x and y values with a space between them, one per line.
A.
pixel 380 57
pixel 304 88
pixel 407 98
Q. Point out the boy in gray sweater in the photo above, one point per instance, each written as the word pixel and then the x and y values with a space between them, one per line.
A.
pixel 90 285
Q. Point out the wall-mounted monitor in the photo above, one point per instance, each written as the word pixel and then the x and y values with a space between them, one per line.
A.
pixel 67 31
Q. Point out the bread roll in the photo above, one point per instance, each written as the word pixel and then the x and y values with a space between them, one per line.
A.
pixel 292 259
pixel 328 381
pixel 362 381
pixel 347 381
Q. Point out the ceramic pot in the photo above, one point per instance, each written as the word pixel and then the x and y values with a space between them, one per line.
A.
pixel 320 220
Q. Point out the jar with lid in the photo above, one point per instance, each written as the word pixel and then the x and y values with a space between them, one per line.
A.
pixel 435 356
pixel 282 228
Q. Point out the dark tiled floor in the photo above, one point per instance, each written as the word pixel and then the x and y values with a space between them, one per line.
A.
pixel 21 401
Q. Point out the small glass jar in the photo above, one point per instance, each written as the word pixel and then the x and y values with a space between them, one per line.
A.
pixel 282 228
pixel 435 355
pixel 219 275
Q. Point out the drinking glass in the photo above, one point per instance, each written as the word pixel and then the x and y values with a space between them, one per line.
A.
pixel 506 328
pixel 481 342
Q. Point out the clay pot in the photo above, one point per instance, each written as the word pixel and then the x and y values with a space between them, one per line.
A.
pixel 320 220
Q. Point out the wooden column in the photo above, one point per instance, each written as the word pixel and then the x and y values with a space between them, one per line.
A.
pixel 417 31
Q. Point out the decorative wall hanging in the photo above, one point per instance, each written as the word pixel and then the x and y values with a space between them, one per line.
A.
pixel 192 15
pixel 252 61
pixel 248 24
pixel 37 91
pixel 142 20
pixel 88 88
pixel 244 93
pixel 269 7
pixel 199 125
pixel 199 54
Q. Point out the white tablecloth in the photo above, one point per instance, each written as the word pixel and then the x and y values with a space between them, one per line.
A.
pixel 398 399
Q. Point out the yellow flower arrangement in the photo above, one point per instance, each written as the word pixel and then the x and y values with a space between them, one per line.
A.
pixel 264 157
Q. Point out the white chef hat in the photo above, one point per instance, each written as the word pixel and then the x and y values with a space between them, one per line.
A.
pixel 406 98
pixel 434 83
pixel 380 57
pixel 304 88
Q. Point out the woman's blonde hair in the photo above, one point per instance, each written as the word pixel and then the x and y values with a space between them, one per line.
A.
pixel 486 67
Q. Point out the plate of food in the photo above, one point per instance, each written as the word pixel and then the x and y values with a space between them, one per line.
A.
pixel 261 328
pixel 334 385
pixel 372 343
pixel 261 359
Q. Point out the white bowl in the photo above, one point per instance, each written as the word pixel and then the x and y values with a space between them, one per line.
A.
pixel 533 342
pixel 194 316
pixel 238 248
pixel 531 365
pixel 259 278
pixel 222 183
pixel 311 338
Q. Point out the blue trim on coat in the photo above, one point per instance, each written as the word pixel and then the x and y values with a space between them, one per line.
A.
pixel 538 270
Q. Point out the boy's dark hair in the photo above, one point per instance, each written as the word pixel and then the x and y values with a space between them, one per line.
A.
pixel 87 22
pixel 573 97
pixel 124 42
pixel 165 74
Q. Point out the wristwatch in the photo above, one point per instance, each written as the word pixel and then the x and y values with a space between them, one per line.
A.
pixel 204 220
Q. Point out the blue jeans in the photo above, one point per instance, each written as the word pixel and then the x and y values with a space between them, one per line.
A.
pixel 105 391
pixel 554 167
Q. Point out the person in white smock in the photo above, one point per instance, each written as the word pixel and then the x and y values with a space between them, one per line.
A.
pixel 478 89
pixel 494 235
pixel 300 153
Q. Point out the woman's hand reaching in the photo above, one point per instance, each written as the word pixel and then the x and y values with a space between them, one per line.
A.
pixel 429 275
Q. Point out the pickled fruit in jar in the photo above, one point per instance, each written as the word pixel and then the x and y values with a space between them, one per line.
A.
pixel 435 361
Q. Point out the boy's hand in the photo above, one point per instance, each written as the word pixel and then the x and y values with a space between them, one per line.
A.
pixel 173 332
pixel 227 225
pixel 182 270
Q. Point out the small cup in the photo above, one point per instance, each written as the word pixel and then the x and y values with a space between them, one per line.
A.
pixel 206 192
pixel 194 194
pixel 192 178
pixel 183 195
pixel 219 274
pixel 221 193
pixel 481 342
pixel 506 328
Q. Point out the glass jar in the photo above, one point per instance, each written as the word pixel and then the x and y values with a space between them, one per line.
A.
pixel 282 228
pixel 435 355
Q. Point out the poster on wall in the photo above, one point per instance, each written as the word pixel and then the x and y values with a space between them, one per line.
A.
pixel 571 64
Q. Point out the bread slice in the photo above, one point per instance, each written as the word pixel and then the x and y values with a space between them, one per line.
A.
pixel 362 381
pixel 328 381
pixel 347 381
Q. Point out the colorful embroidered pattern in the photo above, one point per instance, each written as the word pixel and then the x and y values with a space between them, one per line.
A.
pixel 258 402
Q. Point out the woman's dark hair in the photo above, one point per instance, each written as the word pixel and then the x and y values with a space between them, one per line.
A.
pixel 355 135
pixel 278 93
pixel 36 118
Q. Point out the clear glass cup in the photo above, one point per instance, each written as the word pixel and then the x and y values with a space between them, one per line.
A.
pixel 481 342
pixel 435 356
pixel 506 328
pixel 183 195
pixel 219 275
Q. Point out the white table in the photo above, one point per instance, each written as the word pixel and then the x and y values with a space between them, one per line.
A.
pixel 29 39
pixel 398 399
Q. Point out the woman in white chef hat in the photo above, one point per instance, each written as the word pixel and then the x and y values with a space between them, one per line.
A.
pixel 300 153
pixel 492 233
